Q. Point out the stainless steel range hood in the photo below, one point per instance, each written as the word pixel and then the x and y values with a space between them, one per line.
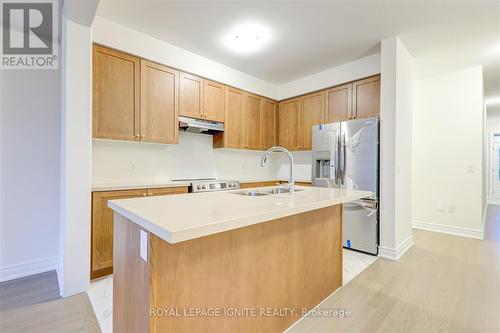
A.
pixel 200 126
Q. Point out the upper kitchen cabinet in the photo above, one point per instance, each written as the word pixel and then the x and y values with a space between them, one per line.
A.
pixel 213 107
pixel 338 103
pixel 366 97
pixel 234 135
pixel 159 103
pixel 190 96
pixel 253 121
pixel 268 127
pixel 313 110
pixel 133 99
pixel 115 95
pixel 290 124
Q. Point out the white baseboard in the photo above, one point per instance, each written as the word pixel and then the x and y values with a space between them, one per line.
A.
pixel 395 254
pixel 28 268
pixel 446 229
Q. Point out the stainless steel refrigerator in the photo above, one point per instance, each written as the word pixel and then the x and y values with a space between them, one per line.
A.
pixel 346 155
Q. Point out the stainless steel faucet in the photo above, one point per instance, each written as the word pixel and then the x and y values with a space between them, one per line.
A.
pixel 291 181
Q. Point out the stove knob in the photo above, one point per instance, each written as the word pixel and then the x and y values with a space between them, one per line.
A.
pixel 198 187
pixel 203 187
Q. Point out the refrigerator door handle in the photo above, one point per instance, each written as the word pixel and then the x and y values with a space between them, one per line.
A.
pixel 370 205
pixel 343 157
pixel 338 172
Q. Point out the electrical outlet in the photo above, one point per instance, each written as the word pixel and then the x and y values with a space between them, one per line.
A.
pixel 452 208
pixel 143 248
pixel 470 169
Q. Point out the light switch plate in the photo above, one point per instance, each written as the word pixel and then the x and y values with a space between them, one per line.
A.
pixel 144 245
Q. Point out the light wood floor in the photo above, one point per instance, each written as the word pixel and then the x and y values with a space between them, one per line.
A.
pixel 443 284
pixel 33 305
pixel 29 290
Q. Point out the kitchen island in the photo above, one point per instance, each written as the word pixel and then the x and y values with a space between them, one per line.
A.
pixel 223 262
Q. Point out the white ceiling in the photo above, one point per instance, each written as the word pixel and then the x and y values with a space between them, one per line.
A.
pixel 308 37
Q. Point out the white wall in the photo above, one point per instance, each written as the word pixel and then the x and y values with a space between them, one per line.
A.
pixel 350 71
pixel 29 179
pixel 117 36
pixel 193 157
pixel 395 149
pixel 74 241
pixel 492 127
pixel 448 152
pixel 302 166
pixel 151 166
pixel 404 138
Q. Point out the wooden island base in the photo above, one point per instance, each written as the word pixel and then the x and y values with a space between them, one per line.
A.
pixel 244 280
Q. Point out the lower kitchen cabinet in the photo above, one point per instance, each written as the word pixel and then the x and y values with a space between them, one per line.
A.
pixel 101 247
pixel 258 184
pixel 166 191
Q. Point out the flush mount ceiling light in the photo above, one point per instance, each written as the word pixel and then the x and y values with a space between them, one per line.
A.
pixel 247 38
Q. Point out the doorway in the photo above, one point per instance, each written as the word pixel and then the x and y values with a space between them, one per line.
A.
pixel 495 167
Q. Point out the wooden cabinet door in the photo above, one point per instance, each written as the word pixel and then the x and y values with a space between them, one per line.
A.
pixel 190 96
pixel 268 128
pixel 258 184
pixel 115 94
pixel 102 230
pixel 366 97
pixel 339 103
pixel 213 108
pixel 235 118
pixel 290 124
pixel 252 122
pixel 159 103
pixel 167 190
pixel 313 111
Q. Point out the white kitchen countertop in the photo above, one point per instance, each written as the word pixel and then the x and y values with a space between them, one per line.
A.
pixel 181 217
pixel 169 183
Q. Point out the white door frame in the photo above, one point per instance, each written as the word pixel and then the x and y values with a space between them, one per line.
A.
pixel 491 167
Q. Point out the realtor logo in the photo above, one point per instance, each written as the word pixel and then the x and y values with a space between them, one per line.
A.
pixel 29 35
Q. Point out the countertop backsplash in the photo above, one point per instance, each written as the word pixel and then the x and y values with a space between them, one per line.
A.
pixel 193 157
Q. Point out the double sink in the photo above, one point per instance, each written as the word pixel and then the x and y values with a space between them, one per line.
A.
pixel 257 193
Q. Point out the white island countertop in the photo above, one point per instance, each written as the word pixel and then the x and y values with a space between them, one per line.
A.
pixel 181 217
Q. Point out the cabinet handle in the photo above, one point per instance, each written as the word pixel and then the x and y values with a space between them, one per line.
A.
pixel 142 136
pixel 136 136
pixel 145 194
